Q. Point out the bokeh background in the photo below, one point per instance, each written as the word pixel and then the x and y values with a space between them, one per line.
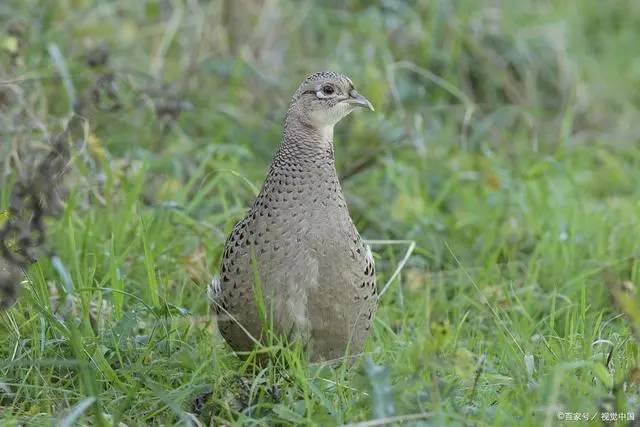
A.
pixel 504 144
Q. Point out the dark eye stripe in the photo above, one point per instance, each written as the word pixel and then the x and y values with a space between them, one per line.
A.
pixel 315 91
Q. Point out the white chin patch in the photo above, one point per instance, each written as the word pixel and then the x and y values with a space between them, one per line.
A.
pixel 333 115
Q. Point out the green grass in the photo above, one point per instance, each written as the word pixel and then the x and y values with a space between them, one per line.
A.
pixel 504 143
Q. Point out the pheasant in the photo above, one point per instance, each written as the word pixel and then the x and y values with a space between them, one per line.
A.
pixel 297 249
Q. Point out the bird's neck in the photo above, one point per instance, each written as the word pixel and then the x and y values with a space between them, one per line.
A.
pixel 307 145
pixel 304 169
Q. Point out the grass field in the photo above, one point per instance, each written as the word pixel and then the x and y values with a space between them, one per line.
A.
pixel 504 144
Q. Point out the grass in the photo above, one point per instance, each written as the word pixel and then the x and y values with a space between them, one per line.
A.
pixel 504 144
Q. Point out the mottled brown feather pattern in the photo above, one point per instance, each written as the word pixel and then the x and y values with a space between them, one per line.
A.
pixel 315 271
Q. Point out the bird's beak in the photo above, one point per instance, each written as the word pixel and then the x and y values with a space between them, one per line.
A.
pixel 356 99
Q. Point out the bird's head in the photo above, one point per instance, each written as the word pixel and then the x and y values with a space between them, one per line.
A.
pixel 325 98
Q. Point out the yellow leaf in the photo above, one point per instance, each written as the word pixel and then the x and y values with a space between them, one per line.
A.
pixel 405 206
pixel 95 146
pixel 625 298
pixel 415 279
pixel 196 264
pixel 463 363
pixel 441 332
pixel 169 188
pixel 493 181
pixel 128 31
pixel 10 44
pixel 4 215
pixel 634 374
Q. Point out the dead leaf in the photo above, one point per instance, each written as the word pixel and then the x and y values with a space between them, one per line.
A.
pixel 196 264
pixel 626 300
pixel 11 44
pixel 414 279
pixel 493 181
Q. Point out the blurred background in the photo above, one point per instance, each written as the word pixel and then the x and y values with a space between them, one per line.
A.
pixel 504 143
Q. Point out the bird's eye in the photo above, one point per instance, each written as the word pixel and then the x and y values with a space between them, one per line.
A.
pixel 328 90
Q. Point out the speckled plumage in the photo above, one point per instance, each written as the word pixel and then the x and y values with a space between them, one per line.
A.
pixel 316 274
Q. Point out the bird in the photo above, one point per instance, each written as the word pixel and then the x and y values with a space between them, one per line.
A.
pixel 297 248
